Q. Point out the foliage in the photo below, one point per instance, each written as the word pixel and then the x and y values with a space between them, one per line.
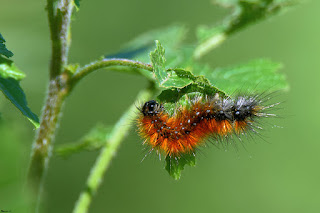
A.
pixel 77 3
pixel 173 69
pixel 177 71
pixel 175 164
pixel 3 49
pixel 245 13
pixel 10 77
pixel 258 75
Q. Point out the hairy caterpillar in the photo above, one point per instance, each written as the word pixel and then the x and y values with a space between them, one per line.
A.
pixel 206 117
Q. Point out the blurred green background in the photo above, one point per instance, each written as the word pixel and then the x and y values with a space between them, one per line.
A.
pixel 279 176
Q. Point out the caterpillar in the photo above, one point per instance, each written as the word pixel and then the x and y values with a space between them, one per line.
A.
pixel 213 117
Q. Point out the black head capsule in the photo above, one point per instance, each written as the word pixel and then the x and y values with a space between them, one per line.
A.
pixel 244 108
pixel 151 108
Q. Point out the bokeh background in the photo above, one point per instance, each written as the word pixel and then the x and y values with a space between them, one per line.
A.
pixel 280 175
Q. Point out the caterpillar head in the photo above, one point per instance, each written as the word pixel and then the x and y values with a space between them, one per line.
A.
pixel 151 108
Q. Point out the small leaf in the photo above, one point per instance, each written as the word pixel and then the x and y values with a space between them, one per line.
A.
pixel 2 40
pixel 77 3
pixel 138 49
pixel 72 68
pixel 175 165
pixel 9 85
pixel 173 78
pixel 158 61
pixel 12 90
pixel 94 140
pixel 3 50
pixel 177 82
pixel 173 95
pixel 178 78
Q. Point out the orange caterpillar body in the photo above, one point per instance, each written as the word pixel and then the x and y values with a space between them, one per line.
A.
pixel 188 128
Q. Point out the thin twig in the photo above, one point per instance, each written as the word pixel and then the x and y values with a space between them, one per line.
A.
pixel 104 63
pixel 102 163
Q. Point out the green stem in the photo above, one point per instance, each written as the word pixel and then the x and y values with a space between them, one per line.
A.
pixel 209 45
pixel 120 130
pixel 104 63
pixel 59 16
pixel 42 146
pixel 59 88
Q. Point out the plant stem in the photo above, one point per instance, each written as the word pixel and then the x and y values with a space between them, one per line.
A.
pixel 208 45
pixel 120 130
pixel 59 16
pixel 42 146
pixel 104 63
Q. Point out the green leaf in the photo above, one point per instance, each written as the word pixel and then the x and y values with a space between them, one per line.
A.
pixel 246 12
pixel 94 140
pixel 200 85
pixel 3 50
pixel 172 78
pixel 72 68
pixel 138 48
pixel 175 94
pixel 158 61
pixel 77 3
pixel 178 78
pixel 12 90
pixel 175 164
pixel 258 75
pixel 9 85
pixel 191 78
pixel 176 82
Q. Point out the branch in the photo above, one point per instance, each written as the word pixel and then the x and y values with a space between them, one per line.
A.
pixel 59 15
pixel 102 163
pixel 104 63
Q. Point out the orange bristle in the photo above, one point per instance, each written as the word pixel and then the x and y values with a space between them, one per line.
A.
pixel 189 127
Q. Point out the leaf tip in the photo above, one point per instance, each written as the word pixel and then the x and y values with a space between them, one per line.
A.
pixel 175 164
